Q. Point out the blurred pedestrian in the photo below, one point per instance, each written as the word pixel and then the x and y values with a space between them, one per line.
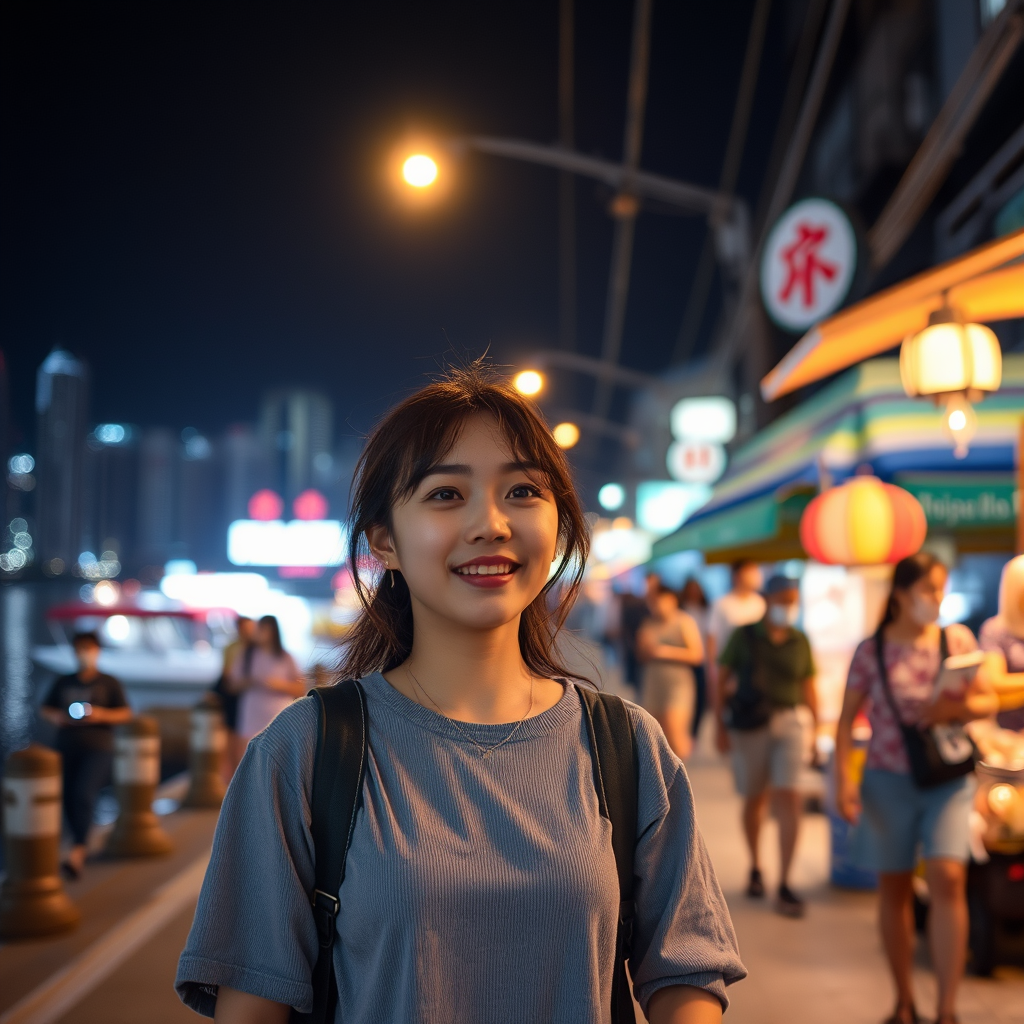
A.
pixel 85 706
pixel 266 679
pixel 480 877
pixel 668 645
pixel 240 649
pixel 633 611
pixel 694 602
pixel 741 606
pixel 1002 638
pixel 895 671
pixel 767 673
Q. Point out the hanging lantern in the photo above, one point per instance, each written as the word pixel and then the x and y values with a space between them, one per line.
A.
pixel 955 364
pixel 863 522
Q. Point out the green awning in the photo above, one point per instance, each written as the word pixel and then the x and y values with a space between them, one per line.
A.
pixel 766 528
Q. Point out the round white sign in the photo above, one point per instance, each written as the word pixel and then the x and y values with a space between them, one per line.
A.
pixel 808 264
pixel 695 462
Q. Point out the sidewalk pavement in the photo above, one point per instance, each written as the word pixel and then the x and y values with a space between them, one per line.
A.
pixel 828 967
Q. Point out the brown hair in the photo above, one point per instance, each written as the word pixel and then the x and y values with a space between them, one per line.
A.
pixel 412 438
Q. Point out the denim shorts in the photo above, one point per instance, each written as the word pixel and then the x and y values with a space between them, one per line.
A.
pixel 900 819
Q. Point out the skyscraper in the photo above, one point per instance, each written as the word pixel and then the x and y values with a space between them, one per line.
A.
pixel 111 491
pixel 62 403
pixel 297 429
pixel 158 488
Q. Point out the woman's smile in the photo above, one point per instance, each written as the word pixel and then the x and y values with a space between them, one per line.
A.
pixel 487 571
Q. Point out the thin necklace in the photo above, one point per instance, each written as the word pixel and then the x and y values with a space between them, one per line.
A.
pixel 485 752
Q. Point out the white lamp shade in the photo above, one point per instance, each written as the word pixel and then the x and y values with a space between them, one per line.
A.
pixel 950 357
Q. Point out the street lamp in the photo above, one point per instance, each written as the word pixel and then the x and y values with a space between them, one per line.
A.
pixel 566 435
pixel 419 171
pixel 528 382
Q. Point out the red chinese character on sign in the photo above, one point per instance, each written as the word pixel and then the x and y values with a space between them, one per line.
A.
pixel 803 262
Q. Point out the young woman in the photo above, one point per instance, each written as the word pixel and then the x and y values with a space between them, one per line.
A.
pixel 669 645
pixel 267 679
pixel 694 602
pixel 898 813
pixel 480 881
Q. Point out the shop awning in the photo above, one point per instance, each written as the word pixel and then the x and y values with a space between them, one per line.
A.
pixel 862 421
pixel 984 285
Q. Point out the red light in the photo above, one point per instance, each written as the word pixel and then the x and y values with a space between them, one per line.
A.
pixel 310 504
pixel 265 506
pixel 1015 872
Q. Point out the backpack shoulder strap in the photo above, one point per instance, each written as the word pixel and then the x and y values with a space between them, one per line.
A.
pixel 338 771
pixel 614 754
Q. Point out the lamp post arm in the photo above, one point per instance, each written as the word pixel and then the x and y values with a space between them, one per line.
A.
pixel 681 194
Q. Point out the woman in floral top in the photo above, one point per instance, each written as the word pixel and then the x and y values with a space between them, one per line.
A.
pixel 899 815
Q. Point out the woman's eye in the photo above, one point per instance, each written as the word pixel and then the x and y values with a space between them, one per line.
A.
pixel 524 491
pixel 446 494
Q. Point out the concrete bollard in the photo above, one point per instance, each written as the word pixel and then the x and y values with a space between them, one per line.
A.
pixel 137 831
pixel 33 901
pixel 207 742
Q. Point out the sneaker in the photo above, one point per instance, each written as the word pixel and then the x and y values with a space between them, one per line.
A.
pixel 755 887
pixel 788 904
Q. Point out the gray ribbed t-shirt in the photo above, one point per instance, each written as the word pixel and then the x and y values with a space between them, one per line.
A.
pixel 475 890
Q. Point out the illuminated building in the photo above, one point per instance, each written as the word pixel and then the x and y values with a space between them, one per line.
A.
pixel 296 427
pixel 62 401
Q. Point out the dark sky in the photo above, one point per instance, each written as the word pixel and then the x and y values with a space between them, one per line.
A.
pixel 193 200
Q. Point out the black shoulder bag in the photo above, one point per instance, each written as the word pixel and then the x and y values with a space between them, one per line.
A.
pixel 749 707
pixel 337 787
pixel 933 759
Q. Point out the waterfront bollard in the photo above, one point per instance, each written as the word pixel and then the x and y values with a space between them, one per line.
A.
pixel 32 900
pixel 207 742
pixel 137 831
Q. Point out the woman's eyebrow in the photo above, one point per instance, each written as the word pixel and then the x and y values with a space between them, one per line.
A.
pixel 462 469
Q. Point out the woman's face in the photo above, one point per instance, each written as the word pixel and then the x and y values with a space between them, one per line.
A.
pixel 264 635
pixel 476 539
pixel 921 601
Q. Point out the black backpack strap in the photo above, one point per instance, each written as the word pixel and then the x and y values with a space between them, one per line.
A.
pixel 337 789
pixel 613 751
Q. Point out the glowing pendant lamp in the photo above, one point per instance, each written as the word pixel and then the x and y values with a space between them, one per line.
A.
pixel 954 364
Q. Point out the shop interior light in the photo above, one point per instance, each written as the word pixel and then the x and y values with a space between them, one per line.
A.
pixel 611 497
pixel 954 364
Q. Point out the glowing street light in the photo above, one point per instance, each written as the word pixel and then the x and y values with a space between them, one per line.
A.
pixel 419 170
pixel 528 382
pixel 566 435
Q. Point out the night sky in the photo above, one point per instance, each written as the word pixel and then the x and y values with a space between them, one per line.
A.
pixel 193 196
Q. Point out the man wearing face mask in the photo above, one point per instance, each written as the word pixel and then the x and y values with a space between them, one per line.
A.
pixel 766 672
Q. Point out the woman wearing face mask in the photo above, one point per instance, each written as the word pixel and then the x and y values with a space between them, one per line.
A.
pixel 899 815
pixel 480 878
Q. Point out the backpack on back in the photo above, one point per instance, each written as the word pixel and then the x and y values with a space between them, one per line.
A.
pixel 338 772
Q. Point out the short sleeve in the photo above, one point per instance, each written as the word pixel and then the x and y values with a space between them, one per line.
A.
pixel 863 668
pixel 683 932
pixel 736 655
pixel 989 637
pixel 960 639
pixel 254 929
pixel 54 698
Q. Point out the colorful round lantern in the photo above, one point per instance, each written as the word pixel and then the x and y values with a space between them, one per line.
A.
pixel 863 522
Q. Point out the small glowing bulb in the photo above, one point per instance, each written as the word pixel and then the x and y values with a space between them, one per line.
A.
pixel 566 435
pixel 528 382
pixel 1001 799
pixel 419 171
pixel 957 419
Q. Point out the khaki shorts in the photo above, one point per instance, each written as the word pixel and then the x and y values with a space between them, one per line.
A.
pixel 769 756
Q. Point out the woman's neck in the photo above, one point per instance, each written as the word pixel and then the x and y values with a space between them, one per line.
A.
pixel 474 675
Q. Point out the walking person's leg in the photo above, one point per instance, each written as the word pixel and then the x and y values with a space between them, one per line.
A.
pixel 896 923
pixel 786 804
pixel 786 751
pixel 91 773
pixel 750 765
pixel 947 929
pixel 78 823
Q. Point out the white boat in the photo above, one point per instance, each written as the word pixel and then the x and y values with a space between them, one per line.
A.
pixel 162 658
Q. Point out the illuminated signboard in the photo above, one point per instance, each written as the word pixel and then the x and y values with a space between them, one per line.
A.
pixel 663 506
pixel 301 542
